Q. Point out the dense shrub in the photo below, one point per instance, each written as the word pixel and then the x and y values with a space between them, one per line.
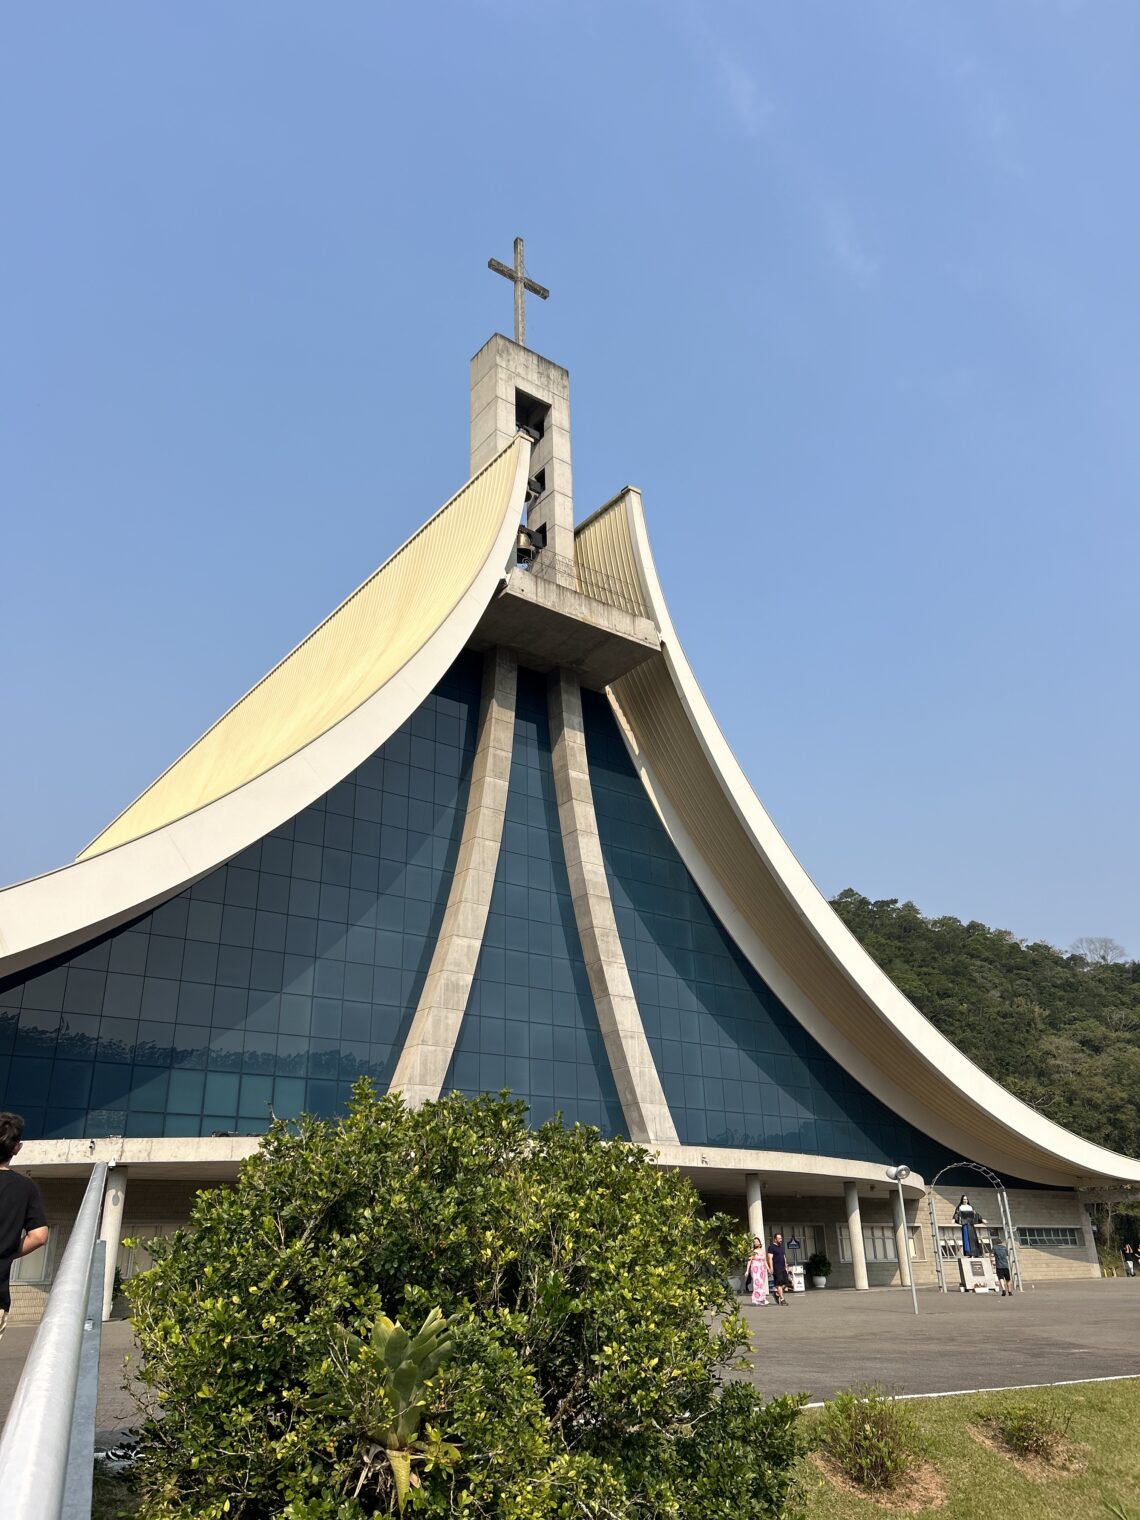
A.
pixel 739 1460
pixel 589 1327
pixel 1030 1430
pixel 871 1437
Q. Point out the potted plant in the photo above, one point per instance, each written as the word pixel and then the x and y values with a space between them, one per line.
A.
pixel 819 1269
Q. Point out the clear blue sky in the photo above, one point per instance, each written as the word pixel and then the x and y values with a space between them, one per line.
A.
pixel 850 291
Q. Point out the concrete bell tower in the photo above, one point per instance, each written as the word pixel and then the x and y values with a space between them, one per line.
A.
pixel 513 389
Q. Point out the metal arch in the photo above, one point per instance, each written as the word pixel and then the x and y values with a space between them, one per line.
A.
pixel 1010 1233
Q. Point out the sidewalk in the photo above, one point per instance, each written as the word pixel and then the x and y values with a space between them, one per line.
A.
pixel 116 1410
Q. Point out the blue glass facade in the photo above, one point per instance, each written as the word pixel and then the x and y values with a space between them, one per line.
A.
pixel 530 1023
pixel 280 978
pixel 277 979
pixel 736 1066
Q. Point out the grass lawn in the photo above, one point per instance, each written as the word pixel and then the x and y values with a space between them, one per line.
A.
pixel 980 1483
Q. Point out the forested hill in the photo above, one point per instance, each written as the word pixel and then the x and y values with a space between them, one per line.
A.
pixel 1061 1031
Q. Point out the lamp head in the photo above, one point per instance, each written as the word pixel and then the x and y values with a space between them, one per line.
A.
pixel 898 1173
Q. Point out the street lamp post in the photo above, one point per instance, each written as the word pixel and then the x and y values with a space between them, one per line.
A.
pixel 898 1175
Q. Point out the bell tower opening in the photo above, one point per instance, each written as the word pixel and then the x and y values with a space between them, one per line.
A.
pixel 515 390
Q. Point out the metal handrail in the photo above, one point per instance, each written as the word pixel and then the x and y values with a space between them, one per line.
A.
pixel 41 1429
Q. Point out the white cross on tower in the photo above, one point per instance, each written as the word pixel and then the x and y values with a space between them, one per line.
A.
pixel 521 283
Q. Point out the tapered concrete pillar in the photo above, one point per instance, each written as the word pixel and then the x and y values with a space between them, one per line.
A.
pixel 111 1230
pixel 638 1084
pixel 755 1206
pixel 855 1233
pixel 424 1060
pixel 902 1237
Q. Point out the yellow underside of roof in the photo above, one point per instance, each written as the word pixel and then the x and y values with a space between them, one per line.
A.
pixel 606 561
pixel 343 662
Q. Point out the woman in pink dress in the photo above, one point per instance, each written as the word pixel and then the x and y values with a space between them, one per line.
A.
pixel 757 1270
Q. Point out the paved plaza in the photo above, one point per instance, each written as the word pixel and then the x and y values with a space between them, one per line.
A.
pixel 836 1339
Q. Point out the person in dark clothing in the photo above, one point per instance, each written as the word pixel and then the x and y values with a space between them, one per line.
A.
pixel 778 1275
pixel 1001 1267
pixel 1129 1256
pixel 23 1223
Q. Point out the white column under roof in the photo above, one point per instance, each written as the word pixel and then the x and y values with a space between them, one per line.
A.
pixel 855 1234
pixel 755 1206
pixel 902 1237
pixel 111 1230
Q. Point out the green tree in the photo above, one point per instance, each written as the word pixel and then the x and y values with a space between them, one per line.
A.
pixel 589 1332
pixel 1061 1031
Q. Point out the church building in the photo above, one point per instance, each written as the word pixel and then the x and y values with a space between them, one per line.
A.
pixel 480 830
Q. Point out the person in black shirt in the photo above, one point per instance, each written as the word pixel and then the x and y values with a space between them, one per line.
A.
pixel 778 1274
pixel 23 1223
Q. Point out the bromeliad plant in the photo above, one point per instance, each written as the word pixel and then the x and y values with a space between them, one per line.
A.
pixel 381 1388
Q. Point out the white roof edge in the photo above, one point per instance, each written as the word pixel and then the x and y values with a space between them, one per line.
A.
pixel 50 914
pixel 771 1165
pixel 1062 1152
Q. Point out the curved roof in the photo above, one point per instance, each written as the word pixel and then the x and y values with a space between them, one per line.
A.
pixel 346 688
pixel 780 919
pixel 318 715
pixel 342 662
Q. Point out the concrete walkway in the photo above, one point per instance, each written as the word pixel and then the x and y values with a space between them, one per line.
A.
pixel 830 1340
pixel 116 1411
pixel 837 1339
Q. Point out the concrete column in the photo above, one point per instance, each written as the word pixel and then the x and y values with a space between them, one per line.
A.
pixel 1087 1231
pixel 855 1232
pixel 111 1230
pixel 902 1237
pixel 635 1074
pixel 426 1056
pixel 755 1207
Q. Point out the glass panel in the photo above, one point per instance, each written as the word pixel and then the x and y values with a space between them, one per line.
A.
pixel 878 1243
pixel 237 994
pixel 1049 1236
pixel 36 1266
pixel 736 1066
pixel 530 1023
pixel 810 1237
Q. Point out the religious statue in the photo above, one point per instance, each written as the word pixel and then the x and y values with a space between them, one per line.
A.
pixel 968 1217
